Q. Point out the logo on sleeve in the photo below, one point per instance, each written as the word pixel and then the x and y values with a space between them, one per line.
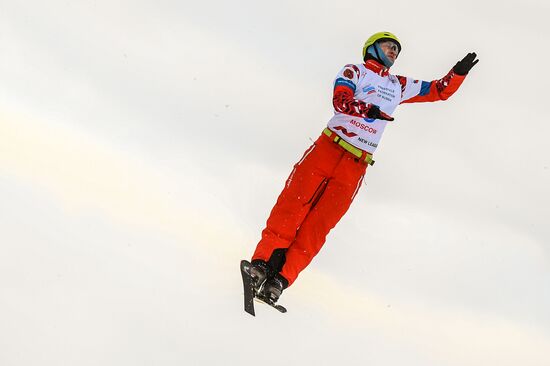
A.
pixel 348 73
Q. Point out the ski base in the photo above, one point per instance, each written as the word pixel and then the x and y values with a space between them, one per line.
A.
pixel 248 288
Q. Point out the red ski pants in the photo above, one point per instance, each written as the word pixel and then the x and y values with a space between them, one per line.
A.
pixel 316 195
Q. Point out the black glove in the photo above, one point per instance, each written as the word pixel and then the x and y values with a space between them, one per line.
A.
pixel 463 66
pixel 375 112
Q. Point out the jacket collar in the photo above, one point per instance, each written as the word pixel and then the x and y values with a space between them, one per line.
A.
pixel 377 67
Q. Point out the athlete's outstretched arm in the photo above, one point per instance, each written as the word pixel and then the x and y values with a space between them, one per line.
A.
pixel 415 91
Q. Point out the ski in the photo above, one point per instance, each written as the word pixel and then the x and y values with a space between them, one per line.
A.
pixel 264 300
pixel 248 288
pixel 250 294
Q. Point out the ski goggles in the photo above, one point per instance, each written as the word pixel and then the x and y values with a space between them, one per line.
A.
pixel 390 45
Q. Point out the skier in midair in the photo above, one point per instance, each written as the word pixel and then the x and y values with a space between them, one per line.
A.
pixel 324 182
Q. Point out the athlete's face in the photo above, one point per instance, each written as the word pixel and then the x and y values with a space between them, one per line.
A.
pixel 391 50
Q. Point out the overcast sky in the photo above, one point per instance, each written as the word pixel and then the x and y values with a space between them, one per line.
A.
pixel 143 144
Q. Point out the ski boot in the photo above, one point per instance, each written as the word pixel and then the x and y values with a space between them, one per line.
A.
pixel 259 271
pixel 273 288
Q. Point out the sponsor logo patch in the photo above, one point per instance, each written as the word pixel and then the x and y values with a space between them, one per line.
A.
pixel 369 89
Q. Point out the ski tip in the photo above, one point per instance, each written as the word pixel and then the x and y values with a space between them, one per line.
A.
pixel 282 309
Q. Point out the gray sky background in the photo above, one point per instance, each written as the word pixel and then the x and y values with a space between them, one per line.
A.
pixel 143 144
